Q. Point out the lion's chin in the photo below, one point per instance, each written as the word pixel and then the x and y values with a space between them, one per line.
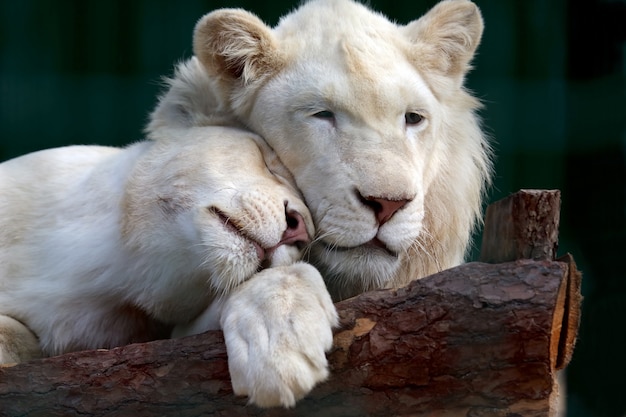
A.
pixel 352 270
pixel 377 244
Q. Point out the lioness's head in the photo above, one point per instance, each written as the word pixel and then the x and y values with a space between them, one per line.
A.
pixel 370 117
pixel 214 206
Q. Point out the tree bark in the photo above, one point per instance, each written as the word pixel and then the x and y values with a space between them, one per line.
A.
pixel 478 340
pixel 524 225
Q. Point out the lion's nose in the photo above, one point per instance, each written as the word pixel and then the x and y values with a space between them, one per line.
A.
pixel 383 208
pixel 296 233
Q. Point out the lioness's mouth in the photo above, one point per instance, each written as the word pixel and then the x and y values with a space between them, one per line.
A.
pixel 264 254
pixel 234 228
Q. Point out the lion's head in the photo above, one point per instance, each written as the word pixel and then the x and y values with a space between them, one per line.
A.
pixel 370 117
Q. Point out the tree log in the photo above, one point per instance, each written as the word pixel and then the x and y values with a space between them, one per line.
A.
pixel 478 340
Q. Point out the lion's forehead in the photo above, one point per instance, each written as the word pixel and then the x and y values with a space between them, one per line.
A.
pixel 318 23
pixel 378 94
pixel 365 44
pixel 360 80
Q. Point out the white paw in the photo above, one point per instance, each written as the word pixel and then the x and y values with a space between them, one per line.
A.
pixel 277 327
pixel 17 342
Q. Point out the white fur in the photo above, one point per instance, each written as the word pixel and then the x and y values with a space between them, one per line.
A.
pixel 339 56
pixel 101 247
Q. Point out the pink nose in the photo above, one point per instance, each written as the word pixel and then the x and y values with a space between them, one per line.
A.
pixel 296 233
pixel 383 208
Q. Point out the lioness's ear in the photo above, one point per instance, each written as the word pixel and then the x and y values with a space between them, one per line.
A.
pixel 446 37
pixel 237 45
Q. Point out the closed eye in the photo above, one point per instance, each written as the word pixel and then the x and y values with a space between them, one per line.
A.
pixel 324 114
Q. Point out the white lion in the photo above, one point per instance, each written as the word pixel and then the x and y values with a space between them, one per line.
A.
pixel 101 247
pixel 370 117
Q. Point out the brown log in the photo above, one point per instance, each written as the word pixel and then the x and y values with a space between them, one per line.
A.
pixel 477 340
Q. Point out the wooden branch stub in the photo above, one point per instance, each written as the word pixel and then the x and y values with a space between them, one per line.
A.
pixel 524 225
pixel 476 340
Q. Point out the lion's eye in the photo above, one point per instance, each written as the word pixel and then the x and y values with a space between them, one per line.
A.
pixel 324 114
pixel 412 118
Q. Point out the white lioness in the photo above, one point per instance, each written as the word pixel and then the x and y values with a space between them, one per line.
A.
pixel 100 247
pixel 370 117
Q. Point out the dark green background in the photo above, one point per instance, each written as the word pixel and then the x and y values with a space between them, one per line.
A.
pixel 551 74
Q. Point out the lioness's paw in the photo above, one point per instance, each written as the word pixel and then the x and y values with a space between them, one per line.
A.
pixel 277 327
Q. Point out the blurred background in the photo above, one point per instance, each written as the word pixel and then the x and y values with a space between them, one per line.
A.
pixel 551 74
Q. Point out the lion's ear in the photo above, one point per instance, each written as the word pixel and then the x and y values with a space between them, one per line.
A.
pixel 446 37
pixel 236 45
